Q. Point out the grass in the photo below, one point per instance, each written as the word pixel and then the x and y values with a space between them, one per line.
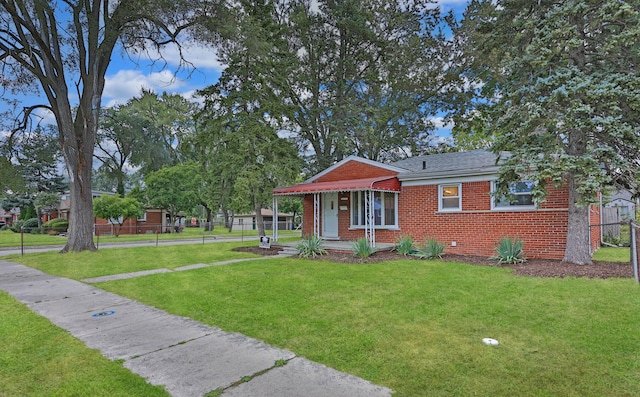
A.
pixel 39 359
pixel 124 260
pixel 612 254
pixel 11 239
pixel 413 326
pixel 417 326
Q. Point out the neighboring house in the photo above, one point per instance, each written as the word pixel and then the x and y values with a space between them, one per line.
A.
pixel 443 196
pixel 623 203
pixel 154 220
pixel 9 217
pixel 285 221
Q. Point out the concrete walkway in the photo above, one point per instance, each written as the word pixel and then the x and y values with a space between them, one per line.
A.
pixel 187 357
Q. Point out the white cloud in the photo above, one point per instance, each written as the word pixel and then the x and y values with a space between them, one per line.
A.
pixel 452 3
pixel 126 84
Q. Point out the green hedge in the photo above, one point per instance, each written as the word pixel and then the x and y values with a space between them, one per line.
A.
pixel 56 225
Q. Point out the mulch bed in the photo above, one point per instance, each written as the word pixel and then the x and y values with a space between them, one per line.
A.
pixel 532 267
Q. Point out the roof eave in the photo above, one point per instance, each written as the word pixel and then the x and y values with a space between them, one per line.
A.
pixel 426 175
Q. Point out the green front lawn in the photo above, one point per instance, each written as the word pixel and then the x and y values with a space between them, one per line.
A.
pixel 417 326
pixel 413 326
pixel 109 261
pixel 10 239
pixel 39 359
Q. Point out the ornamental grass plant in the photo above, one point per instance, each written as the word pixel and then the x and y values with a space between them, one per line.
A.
pixel 311 246
pixel 362 249
pixel 431 249
pixel 404 245
pixel 510 251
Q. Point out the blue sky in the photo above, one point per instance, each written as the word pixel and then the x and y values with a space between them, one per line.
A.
pixel 127 75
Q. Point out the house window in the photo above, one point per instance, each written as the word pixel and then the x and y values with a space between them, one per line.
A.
pixel 450 197
pixel 520 193
pixel 385 209
pixel 143 218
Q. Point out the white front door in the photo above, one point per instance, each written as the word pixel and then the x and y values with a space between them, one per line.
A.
pixel 330 215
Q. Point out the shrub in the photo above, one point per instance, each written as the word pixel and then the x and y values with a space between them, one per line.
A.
pixel 431 249
pixel 404 245
pixel 17 226
pixel 31 225
pixel 55 225
pixel 362 248
pixel 310 247
pixel 509 251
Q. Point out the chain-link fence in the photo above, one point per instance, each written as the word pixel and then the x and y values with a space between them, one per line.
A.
pixel 29 238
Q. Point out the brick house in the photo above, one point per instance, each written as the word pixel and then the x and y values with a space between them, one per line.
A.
pixel 154 220
pixel 444 196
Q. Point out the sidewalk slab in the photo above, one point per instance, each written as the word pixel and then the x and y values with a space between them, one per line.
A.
pixel 187 357
pixel 301 377
pixel 124 328
pixel 212 362
pixel 124 276
pixel 36 286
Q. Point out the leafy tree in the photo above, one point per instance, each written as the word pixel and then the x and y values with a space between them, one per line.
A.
pixel 163 126
pixel 353 76
pixel 11 180
pixel 291 205
pixel 37 158
pixel 557 85
pixel 117 209
pixel 35 164
pixel 242 113
pixel 366 78
pixel 45 201
pixel 148 132
pixel 118 136
pixel 57 46
pixel 175 189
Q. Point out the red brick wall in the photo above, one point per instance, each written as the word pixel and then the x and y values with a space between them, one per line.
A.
pixel 307 216
pixel 153 224
pixel 476 230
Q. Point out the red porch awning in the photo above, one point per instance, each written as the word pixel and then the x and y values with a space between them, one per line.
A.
pixel 380 184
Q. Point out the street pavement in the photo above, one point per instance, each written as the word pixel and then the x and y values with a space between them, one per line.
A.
pixel 187 357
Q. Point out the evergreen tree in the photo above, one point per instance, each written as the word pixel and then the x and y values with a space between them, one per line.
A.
pixel 557 85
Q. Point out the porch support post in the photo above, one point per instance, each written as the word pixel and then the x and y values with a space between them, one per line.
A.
pixel 316 214
pixel 274 219
pixel 369 224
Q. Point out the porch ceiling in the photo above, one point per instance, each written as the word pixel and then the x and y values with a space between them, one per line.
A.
pixel 382 184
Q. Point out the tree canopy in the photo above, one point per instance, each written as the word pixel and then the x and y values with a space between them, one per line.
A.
pixel 117 209
pixel 63 49
pixel 352 77
pixel 175 189
pixel 557 85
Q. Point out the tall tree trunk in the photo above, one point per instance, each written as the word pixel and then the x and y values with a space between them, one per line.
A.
pixel 209 222
pixel 78 142
pixel 578 248
pixel 260 219
pixel 229 221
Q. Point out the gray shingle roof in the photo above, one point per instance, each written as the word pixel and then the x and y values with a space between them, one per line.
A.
pixel 458 163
